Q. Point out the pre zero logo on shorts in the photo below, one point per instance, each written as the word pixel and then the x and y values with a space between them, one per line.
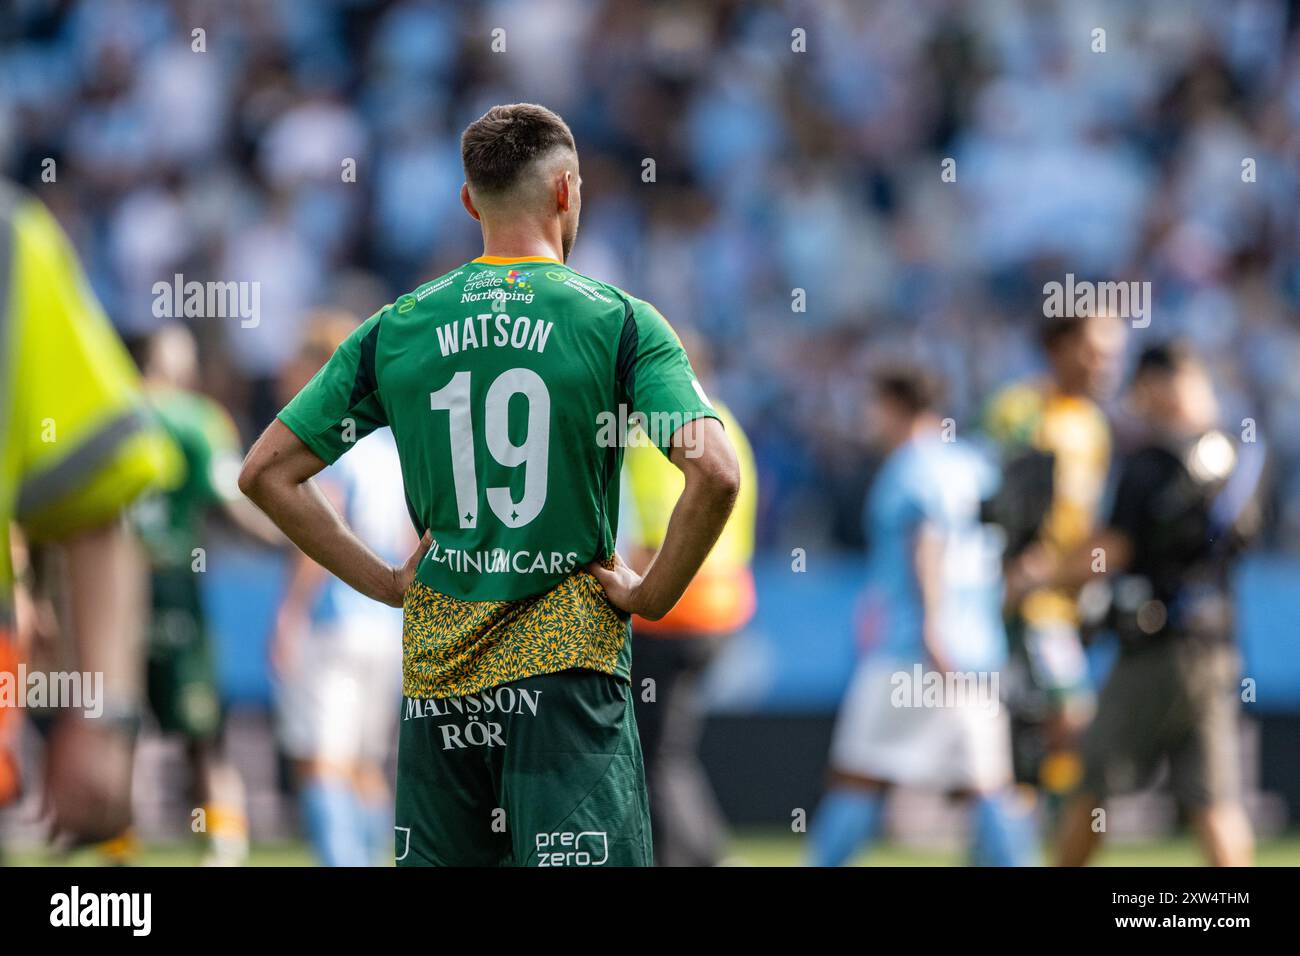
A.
pixel 588 848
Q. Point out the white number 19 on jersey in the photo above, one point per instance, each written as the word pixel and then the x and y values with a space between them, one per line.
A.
pixel 454 398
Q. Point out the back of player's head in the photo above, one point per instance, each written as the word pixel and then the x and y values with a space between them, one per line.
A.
pixel 326 328
pixel 500 146
pixel 1084 351
pixel 324 332
pixel 171 355
pixel 913 389
pixel 1164 359
pixel 1172 388
pixel 1061 330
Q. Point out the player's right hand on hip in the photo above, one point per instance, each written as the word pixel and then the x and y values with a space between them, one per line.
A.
pixel 403 576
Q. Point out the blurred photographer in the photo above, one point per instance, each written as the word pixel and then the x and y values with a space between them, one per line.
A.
pixel 1187 500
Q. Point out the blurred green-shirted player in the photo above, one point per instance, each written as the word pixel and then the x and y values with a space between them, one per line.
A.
pixel 508 383
pixel 182 692
pixel 180 678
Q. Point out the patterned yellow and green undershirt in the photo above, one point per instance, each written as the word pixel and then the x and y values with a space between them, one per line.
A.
pixel 451 648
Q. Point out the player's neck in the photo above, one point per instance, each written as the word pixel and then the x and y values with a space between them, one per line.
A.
pixel 922 427
pixel 926 425
pixel 522 241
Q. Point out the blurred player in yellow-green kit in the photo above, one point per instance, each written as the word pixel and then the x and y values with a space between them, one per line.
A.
pixel 79 445
pixel 1055 423
pixel 675 651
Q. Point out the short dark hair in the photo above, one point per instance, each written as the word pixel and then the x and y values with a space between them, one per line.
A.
pixel 1057 330
pixel 497 146
pixel 1164 358
pixel 914 388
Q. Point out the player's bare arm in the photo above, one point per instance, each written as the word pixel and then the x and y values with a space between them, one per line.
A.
pixel 277 478
pixel 927 560
pixel 712 483
pixel 1035 569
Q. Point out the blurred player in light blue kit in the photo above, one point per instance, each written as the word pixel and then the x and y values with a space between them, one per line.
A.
pixel 338 654
pixel 923 709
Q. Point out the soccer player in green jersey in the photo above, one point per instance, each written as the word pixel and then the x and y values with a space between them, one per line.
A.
pixel 181 681
pixel 508 383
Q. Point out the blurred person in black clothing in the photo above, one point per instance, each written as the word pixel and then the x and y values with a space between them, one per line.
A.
pixel 1187 500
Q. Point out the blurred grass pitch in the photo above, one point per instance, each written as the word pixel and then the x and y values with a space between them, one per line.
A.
pixel 753 848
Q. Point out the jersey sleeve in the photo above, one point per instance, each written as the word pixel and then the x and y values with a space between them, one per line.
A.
pixel 910 494
pixel 914 508
pixel 84 442
pixel 988 477
pixel 1011 417
pixel 661 384
pixel 340 405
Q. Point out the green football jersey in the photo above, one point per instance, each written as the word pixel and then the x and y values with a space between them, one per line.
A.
pixel 171 522
pixel 508 385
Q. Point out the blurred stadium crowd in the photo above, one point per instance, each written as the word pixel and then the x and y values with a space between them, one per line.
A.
pixel 772 174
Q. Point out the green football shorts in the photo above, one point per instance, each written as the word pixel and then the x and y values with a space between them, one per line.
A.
pixel 181 680
pixel 544 771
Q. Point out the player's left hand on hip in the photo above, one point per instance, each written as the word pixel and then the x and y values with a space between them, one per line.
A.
pixel 620 583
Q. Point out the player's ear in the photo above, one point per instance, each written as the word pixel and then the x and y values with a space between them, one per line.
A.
pixel 564 191
pixel 468 202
